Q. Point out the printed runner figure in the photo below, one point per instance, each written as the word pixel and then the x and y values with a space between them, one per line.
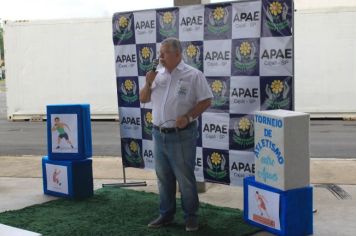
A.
pixel 61 132
pixel 261 202
pixel 55 177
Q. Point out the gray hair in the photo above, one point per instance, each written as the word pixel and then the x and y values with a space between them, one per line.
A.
pixel 174 43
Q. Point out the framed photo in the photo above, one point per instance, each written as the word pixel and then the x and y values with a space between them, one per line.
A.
pixel 64 133
pixel 69 132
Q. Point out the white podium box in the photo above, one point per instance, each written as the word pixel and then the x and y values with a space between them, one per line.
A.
pixel 12 231
pixel 282 149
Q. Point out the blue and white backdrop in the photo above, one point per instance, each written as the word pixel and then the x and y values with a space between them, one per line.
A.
pixel 245 50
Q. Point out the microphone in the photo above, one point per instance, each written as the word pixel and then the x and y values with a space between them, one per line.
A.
pixel 155 63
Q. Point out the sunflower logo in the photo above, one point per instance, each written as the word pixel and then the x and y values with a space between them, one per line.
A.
pixel 149 117
pixel 123 22
pixel 275 8
pixel 277 86
pixel 215 158
pixel 133 146
pixel 217 86
pixel 191 50
pixel 145 52
pixel 128 84
pixel 218 13
pixel 244 124
pixel 167 17
pixel 245 48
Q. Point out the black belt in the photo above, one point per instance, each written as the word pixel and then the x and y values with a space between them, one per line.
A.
pixel 171 130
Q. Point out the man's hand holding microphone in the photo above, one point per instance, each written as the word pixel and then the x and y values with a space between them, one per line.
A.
pixel 145 93
pixel 151 75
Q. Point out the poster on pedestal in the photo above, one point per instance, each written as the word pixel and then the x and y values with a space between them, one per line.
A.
pixel 57 178
pixel 64 133
pixel 263 207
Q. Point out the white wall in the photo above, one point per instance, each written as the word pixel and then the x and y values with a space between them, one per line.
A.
pixel 63 61
pixel 325 62
pixel 318 4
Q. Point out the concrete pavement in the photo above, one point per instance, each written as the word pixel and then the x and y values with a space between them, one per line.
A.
pixel 21 186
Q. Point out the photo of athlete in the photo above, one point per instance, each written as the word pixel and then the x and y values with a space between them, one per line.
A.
pixel 60 128
pixel 261 202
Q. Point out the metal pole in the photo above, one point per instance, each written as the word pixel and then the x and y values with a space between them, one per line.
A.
pixel 125 184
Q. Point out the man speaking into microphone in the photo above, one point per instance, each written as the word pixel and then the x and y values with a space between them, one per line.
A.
pixel 179 94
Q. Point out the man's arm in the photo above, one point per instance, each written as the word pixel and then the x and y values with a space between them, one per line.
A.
pixel 145 92
pixel 198 109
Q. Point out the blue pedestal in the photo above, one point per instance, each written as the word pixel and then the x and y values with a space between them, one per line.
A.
pixel 69 132
pixel 295 208
pixel 71 179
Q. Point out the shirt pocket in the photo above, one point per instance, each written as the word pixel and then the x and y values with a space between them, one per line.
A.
pixel 183 89
pixel 161 82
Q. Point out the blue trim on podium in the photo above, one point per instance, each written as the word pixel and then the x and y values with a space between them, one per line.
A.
pixel 84 131
pixel 79 176
pixel 296 209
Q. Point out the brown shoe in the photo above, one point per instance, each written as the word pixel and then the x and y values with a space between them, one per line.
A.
pixel 160 222
pixel 191 224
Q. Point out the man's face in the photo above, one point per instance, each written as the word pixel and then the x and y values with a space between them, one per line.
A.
pixel 168 57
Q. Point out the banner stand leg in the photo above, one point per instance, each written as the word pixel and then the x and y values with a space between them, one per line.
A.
pixel 125 184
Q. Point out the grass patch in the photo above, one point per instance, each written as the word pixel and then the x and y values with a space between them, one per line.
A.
pixel 117 211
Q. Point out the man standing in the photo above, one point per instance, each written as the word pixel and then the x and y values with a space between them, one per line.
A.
pixel 179 94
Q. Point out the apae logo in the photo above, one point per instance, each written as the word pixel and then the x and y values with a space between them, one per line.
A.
pixel 191 55
pixel 246 16
pixel 167 22
pixel 146 55
pixel 277 16
pixel 218 20
pixel 192 21
pixel 148 123
pixel 240 94
pixel 125 59
pixel 243 134
pixel 243 167
pixel 215 130
pixel 277 95
pixel 246 56
pixel 148 154
pixel 123 28
pixel 145 25
pixel 279 58
pixel 216 166
pixel 217 55
pixel 128 91
pixel 219 89
pixel 132 152
pixel 277 54
pixel 126 120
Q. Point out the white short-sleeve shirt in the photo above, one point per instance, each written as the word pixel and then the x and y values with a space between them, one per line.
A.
pixel 174 94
